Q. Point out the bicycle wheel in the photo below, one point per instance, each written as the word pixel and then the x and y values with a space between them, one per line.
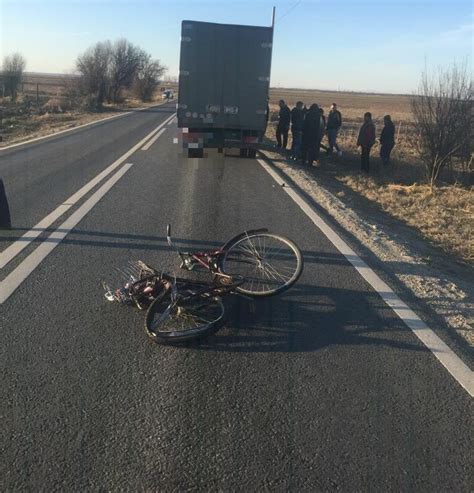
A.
pixel 189 317
pixel 269 263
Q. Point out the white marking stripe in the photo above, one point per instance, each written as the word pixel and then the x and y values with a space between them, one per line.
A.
pixel 15 248
pixel 153 140
pixel 20 273
pixel 445 355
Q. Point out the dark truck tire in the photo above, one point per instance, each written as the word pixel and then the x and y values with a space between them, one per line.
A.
pixel 195 153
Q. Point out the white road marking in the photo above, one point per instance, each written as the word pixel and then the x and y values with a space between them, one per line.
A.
pixel 175 140
pixel 96 122
pixel 15 248
pixel 20 273
pixel 445 355
pixel 153 140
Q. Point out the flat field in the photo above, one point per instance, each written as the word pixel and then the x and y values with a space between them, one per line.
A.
pixel 353 105
pixel 443 215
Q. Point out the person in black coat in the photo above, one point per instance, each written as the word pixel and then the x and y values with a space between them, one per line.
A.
pixel 365 141
pixel 284 119
pixel 311 133
pixel 387 139
pixel 297 120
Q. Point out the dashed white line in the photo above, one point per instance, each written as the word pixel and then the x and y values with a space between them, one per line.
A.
pixel 445 355
pixel 15 248
pixel 20 273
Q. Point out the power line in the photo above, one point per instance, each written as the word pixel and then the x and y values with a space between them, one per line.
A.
pixel 289 10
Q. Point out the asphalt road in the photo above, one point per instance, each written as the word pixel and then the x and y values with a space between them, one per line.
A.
pixel 320 389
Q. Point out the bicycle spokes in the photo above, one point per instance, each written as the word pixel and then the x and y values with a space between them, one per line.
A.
pixel 269 263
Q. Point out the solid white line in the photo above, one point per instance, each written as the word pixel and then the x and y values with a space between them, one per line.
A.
pixel 95 122
pixel 445 355
pixel 153 140
pixel 20 273
pixel 15 248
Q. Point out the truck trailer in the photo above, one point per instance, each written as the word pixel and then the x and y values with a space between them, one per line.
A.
pixel 224 81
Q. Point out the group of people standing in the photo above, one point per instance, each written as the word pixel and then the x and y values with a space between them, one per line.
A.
pixel 309 126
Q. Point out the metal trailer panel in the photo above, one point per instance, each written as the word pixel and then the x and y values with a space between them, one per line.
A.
pixel 224 76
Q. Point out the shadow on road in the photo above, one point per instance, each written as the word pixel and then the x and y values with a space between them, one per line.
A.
pixel 141 242
pixel 308 318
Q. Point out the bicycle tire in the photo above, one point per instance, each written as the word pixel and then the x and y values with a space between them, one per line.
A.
pixel 166 330
pixel 245 249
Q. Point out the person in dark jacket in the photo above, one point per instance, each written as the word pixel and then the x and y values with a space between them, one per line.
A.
pixel 366 140
pixel 323 118
pixel 283 126
pixel 297 119
pixel 322 127
pixel 311 129
pixel 333 127
pixel 387 139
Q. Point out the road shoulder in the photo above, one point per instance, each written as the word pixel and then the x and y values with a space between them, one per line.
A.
pixel 435 285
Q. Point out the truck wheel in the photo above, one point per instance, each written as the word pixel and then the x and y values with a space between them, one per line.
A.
pixel 195 153
pixel 243 152
pixel 252 153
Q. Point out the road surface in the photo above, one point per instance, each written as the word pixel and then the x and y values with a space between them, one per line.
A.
pixel 321 389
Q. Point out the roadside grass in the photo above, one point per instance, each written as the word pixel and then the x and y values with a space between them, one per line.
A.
pixel 23 120
pixel 443 215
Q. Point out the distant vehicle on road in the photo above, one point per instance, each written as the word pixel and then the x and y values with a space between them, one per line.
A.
pixel 167 94
pixel 224 84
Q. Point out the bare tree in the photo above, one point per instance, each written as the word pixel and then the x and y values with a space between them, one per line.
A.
pixel 12 69
pixel 108 68
pixel 93 66
pixel 148 78
pixel 442 113
pixel 126 61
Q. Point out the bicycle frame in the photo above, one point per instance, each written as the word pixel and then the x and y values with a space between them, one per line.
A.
pixel 208 260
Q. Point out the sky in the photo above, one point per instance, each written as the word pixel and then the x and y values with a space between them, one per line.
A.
pixel 372 45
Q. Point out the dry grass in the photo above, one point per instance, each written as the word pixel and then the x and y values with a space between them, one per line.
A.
pixel 20 122
pixel 445 215
pixel 352 105
pixel 25 119
pixel 18 129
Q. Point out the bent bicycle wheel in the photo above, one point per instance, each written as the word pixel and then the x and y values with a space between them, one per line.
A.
pixel 269 263
pixel 190 317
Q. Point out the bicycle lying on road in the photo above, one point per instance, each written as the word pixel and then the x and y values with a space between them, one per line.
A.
pixel 255 263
